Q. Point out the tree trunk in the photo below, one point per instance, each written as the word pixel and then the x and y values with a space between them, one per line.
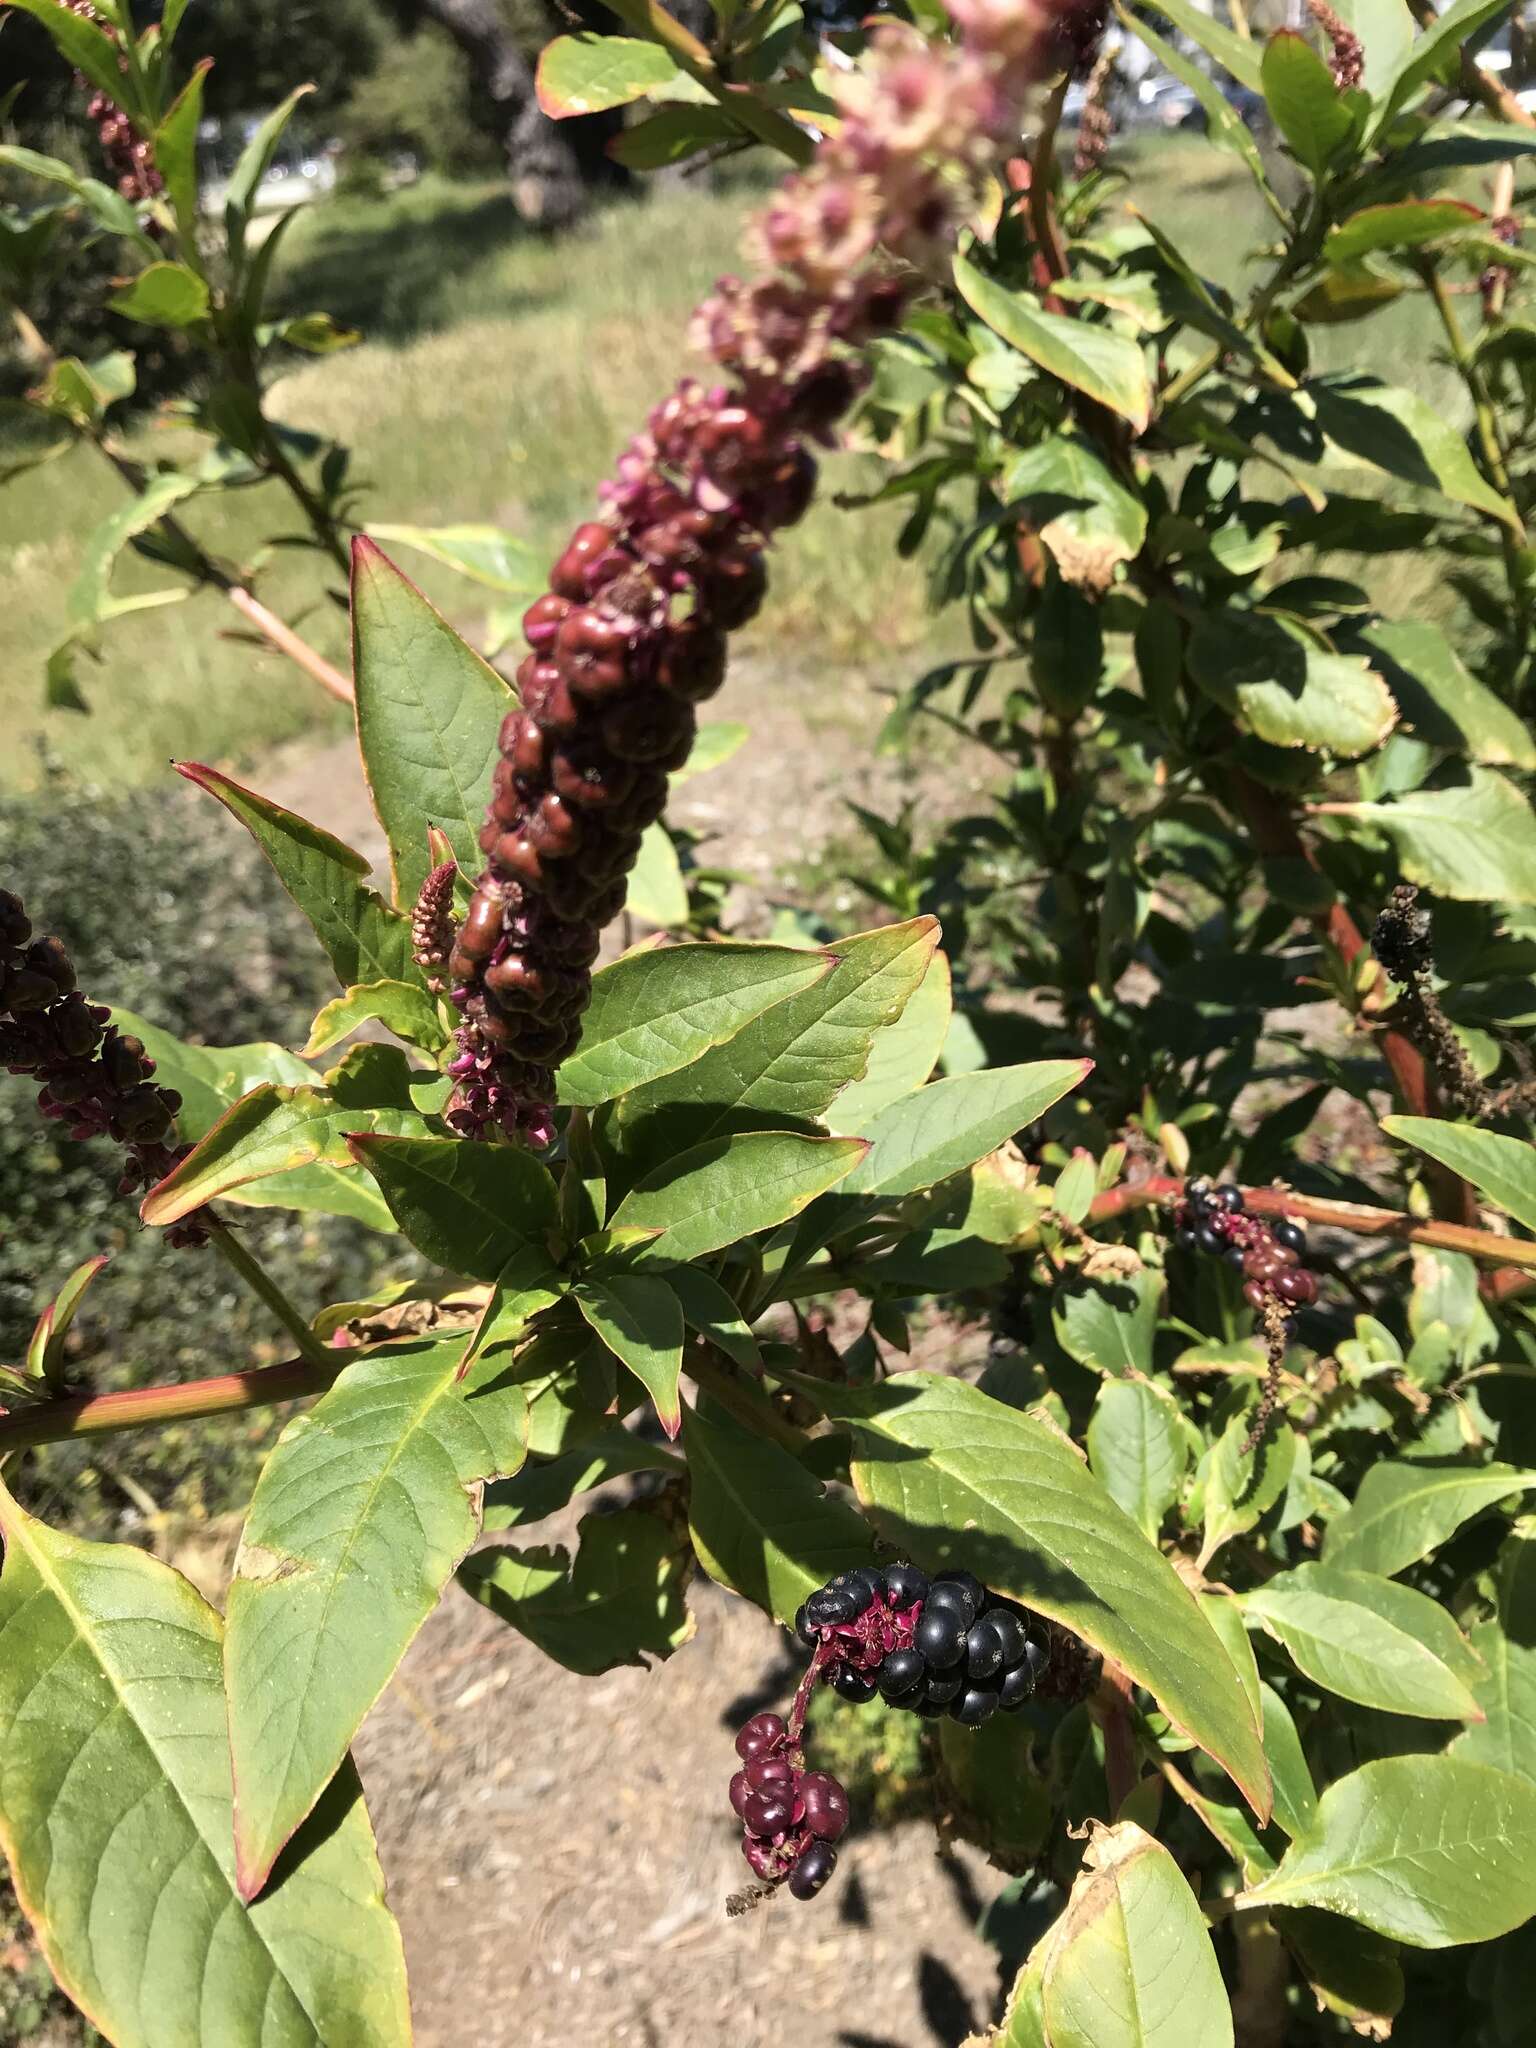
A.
pixel 553 165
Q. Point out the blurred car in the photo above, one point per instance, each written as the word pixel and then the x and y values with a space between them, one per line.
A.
pixel 1167 102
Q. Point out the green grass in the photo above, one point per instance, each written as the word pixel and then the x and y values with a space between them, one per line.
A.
pixel 501 375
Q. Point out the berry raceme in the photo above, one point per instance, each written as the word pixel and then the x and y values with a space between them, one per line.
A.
pixel 938 1646
pixel 129 156
pixel 95 1078
pixel 790 1816
pixel 631 634
pixel 1214 1220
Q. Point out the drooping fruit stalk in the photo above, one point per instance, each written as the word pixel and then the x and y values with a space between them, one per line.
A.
pixel 631 634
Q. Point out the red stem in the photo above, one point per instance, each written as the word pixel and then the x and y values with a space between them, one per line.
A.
pixel 144 1407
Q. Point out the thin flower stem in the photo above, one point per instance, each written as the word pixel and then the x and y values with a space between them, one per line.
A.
pixel 279 634
pixel 255 1275
pixel 88 1415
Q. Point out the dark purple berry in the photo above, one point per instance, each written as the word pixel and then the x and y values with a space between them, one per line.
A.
pixel 832 1607
pixel 826 1805
pixel 763 1733
pixel 769 1811
pixel 741 1790
pixel 812 1871
pixel 804 1630
pixel 769 1770
pixel 1289 1234
pixel 1231 1199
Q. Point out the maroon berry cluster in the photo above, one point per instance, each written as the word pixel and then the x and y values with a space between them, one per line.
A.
pixel 129 156
pixel 629 637
pixel 941 1646
pixel 95 1078
pixel 790 1816
pixel 1268 1255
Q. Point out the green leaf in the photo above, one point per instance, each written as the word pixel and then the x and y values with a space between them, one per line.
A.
pixel 1369 1640
pixel 1224 124
pixel 1241 1486
pixel 1351 1972
pixel 713 745
pixel 789 1065
pixel 1474 841
pixel 546 1485
pixel 1285 688
pixel 727 1189
pixel 1107 366
pixel 210 1079
pixel 429 712
pixel 271 1130
pixel 761 1523
pixel 365 938
pixel 1503 1169
pixel 83 46
pixel 1438 45
pixel 1405 435
pixel 316 333
pixel 467 1207
pixel 710 1310
pixel 1109 1325
pixel 176 152
pixel 245 181
pixel 485 554
pixel 656 1010
pixel 1507 1690
pixel 1404 224
pixel 115 1814
pixel 640 1319
pixel 1137 1447
pixel 1429 1850
pixel 656 891
pixel 404 1007
pixel 946 1127
pixel 1295 1794
pixel 1087 517
pixel 89 599
pixel 1239 55
pixel 107 207
pixel 1076 1186
pixel 1308 108
pixel 952 1477
pixel 363 1512
pixel 1341 295
pixel 673 134
pixel 1405 1511
pixel 621 1600
pixel 1129 1963
pixel 1440 698
pixel 164 295
pixel 903 1055
pixel 44 1360
pixel 587 74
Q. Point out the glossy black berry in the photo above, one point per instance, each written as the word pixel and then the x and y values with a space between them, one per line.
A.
pixel 944 1686
pixel 803 1629
pixel 905 1585
pixel 1037 1656
pixel 832 1607
pixel 812 1871
pixel 1290 1234
pixel 1185 1238
pixel 1231 1199
pixel 856 1686
pixel 901 1672
pixel 976 1704
pixel 1015 1687
pixel 967 1584
pixel 1210 1240
pixel 940 1635
pixel 853 1589
pixel 866 1575
pixel 1235 1256
pixel 1010 1632
pixel 983 1651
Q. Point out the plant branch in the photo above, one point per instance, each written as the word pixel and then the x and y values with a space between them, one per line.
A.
pixel 749 1406
pixel 1111 1708
pixel 255 1275
pixel 1355 1217
pixel 86 1415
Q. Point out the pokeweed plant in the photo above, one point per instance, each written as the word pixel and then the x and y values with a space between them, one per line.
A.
pixel 1214 1591
pixel 196 266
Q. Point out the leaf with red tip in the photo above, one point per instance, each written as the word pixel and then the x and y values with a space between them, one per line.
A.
pixel 588 74
pixel 640 1319
pixel 45 1346
pixel 429 713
